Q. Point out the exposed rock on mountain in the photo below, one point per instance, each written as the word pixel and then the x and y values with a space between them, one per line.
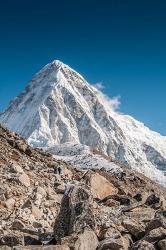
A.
pixel 55 206
pixel 59 106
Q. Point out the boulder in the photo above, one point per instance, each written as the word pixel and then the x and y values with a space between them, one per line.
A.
pixel 86 241
pixel 138 197
pixel 141 214
pixel 16 169
pixel 75 213
pixel 18 224
pixel 109 232
pixel 112 239
pixel 162 244
pixel 40 191
pixel 156 235
pixel 111 244
pixel 9 203
pixel 101 187
pixel 21 145
pixel 112 203
pixel 121 199
pixel 60 189
pixel 142 245
pixel 155 223
pixel 36 212
pixel 11 240
pixel 24 180
pixel 127 241
pixel 134 227
pixel 152 200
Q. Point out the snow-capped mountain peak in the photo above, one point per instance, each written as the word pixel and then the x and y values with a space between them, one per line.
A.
pixel 59 107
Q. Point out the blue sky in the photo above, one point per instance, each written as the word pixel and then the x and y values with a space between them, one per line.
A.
pixel 121 43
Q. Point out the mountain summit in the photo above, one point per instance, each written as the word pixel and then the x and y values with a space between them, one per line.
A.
pixel 59 107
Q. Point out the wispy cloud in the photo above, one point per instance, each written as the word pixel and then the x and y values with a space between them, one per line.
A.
pixel 99 85
pixel 114 101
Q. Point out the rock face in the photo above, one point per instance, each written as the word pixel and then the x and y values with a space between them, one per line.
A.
pixel 59 106
pixel 67 208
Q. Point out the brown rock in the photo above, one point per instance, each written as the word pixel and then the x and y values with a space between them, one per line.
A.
pixel 142 245
pixel 162 244
pixel 134 227
pixel 112 239
pixel 141 214
pixel 9 203
pixel 86 241
pixel 111 244
pixel 127 241
pixel 16 169
pixel 109 232
pixel 17 224
pixel 101 187
pixel 61 188
pixel 24 180
pixel 155 223
pixel 155 235
pixel 21 145
pixel 36 212
pixel 122 199
pixel 112 203
pixel 40 191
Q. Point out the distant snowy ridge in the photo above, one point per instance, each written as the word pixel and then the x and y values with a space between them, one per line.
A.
pixel 59 107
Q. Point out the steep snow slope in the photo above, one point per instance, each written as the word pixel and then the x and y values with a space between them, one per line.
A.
pixel 58 106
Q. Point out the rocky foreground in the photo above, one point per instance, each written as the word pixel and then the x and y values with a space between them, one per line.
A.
pixel 47 204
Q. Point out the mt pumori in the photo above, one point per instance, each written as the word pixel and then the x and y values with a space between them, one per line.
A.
pixel 61 112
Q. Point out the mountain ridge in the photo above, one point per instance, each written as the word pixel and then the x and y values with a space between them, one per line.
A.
pixel 59 106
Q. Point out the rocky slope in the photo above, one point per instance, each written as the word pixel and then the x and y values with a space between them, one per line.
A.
pixel 60 108
pixel 47 204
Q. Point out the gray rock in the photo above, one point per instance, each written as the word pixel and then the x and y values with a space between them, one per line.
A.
pixel 155 223
pixel 109 232
pixel 75 213
pixel 142 245
pixel 152 200
pixel 111 244
pixel 156 235
pixel 112 239
pixel 18 224
pixel 11 240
